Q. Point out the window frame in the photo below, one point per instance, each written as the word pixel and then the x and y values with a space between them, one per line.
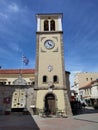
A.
pixel 44 79
pixel 55 79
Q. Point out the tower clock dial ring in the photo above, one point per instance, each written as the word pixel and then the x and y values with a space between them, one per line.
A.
pixel 49 44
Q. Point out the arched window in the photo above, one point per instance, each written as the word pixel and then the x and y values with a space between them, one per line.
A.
pixel 2 83
pixel 44 79
pixel 55 78
pixel 52 25
pixel 46 25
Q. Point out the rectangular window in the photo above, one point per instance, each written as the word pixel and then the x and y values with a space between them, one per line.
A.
pixel 44 79
pixel 55 79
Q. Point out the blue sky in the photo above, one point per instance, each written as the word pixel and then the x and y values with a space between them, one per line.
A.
pixel 80 26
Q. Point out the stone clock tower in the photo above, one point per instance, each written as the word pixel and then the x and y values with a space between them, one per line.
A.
pixel 51 93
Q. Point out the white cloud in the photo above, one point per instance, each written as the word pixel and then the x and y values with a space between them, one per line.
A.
pixel 3 15
pixel 13 7
pixel 6 10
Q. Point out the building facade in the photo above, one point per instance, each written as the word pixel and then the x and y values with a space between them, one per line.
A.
pixel 81 79
pixel 17 89
pixel 84 78
pixel 89 93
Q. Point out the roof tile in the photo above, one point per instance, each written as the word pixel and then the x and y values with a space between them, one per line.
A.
pixel 17 71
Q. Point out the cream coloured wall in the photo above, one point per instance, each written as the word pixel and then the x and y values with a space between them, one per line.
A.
pixel 83 78
pixel 12 77
pixel 49 57
pixel 59 94
pixel 94 91
pixel 40 98
pixel 53 57
pixel 60 99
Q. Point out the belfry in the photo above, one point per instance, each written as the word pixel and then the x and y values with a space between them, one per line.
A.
pixel 50 90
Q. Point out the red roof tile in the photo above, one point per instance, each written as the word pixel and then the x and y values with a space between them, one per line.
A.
pixel 17 71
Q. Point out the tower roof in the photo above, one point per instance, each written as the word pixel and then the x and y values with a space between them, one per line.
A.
pixel 45 14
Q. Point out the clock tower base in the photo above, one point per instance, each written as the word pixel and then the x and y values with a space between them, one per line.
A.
pixel 53 102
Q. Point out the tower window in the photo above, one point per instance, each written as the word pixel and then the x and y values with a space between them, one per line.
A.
pixel 44 79
pixel 55 78
pixel 52 25
pixel 46 25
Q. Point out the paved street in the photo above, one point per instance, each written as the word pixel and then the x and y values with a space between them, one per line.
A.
pixel 17 122
pixel 86 121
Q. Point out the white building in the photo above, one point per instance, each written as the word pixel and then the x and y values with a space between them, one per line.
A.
pixel 89 93
pixel 83 79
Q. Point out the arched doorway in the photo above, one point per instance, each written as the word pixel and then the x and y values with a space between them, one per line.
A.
pixel 50 104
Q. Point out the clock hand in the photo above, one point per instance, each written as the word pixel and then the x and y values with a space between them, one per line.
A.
pixel 49 44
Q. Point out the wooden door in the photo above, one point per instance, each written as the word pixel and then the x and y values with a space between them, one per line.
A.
pixel 50 104
pixel 19 99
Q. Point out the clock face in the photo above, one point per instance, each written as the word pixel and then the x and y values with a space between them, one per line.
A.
pixel 49 44
pixel 50 68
